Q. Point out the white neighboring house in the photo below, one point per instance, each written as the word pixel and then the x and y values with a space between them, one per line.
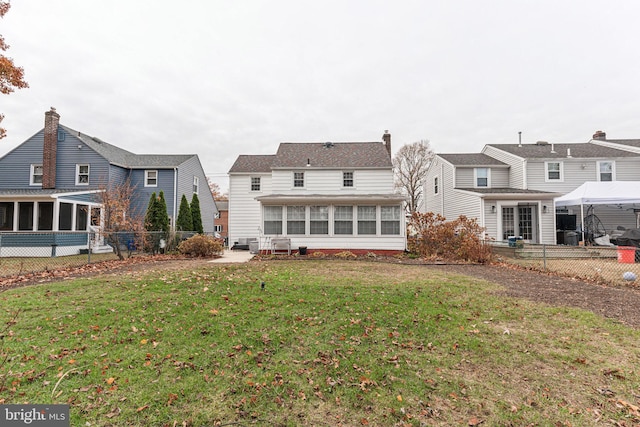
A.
pixel 323 196
pixel 510 188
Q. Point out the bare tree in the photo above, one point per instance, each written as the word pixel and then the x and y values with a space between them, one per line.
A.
pixel 121 220
pixel 410 168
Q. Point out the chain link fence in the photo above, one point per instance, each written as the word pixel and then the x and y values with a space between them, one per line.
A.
pixel 612 265
pixel 27 252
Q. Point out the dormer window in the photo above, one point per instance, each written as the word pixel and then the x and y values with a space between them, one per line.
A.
pixel 82 174
pixel 553 172
pixel 36 175
pixel 482 177
pixel 298 179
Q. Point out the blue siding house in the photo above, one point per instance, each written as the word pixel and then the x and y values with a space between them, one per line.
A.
pixel 50 183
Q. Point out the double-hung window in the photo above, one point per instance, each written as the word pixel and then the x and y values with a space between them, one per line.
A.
pixel 82 174
pixel 435 185
pixel 367 220
pixel 606 170
pixel 296 216
pixel 319 219
pixel 196 184
pixel 150 178
pixel 482 177
pixel 347 179
pixel 272 219
pixel 553 171
pixel 343 220
pixel 36 175
pixel 255 183
pixel 298 179
pixel 390 220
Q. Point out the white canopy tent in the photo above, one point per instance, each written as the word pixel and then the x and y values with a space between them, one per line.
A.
pixel 601 193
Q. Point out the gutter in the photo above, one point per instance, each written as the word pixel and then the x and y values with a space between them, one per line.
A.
pixel 175 198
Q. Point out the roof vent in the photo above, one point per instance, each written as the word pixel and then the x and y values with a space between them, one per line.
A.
pixel 98 140
pixel 542 143
pixel 328 144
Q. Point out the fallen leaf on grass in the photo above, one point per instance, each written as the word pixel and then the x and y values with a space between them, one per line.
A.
pixel 142 408
pixel 172 398
pixel 475 422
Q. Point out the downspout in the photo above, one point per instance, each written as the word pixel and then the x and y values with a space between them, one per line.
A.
pixel 524 175
pixel 175 198
pixel 442 185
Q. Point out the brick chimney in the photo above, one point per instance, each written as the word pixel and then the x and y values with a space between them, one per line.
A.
pixel 386 138
pixel 600 135
pixel 50 148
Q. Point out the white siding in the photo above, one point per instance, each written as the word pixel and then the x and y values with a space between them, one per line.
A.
pixel 517 165
pixel 366 181
pixel 464 178
pixel 245 216
pixel 463 203
pixel 499 178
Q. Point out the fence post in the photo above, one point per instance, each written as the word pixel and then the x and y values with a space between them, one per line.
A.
pixel 544 257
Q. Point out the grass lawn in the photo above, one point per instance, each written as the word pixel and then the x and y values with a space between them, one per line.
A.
pixel 325 343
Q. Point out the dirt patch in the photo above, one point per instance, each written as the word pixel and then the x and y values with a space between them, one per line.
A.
pixel 620 303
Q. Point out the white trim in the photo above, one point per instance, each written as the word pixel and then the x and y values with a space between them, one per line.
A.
pixel 353 179
pixel 475 178
pixel 196 185
pixel 546 171
pixel 599 173
pixel 304 182
pixel 259 184
pixel 32 174
pixel 78 166
pixel 146 177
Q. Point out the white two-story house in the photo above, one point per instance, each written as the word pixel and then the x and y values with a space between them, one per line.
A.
pixel 323 196
pixel 509 188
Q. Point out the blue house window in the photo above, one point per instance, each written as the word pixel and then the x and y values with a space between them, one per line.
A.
pixel 82 174
pixel 150 178
pixel 36 175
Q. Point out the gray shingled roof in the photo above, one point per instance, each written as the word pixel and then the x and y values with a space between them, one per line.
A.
pixel 578 150
pixel 39 191
pixel 505 191
pixel 629 142
pixel 222 205
pixel 118 156
pixel 471 159
pixel 332 155
pixel 339 155
pixel 258 163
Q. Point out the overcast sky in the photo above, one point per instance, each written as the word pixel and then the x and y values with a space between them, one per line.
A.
pixel 224 78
